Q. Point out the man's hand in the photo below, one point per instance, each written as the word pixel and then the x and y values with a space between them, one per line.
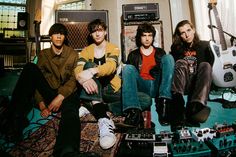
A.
pixel 56 103
pixel 45 112
pixel 90 86
pixel 84 76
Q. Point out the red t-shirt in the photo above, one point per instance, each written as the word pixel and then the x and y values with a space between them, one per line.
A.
pixel 147 64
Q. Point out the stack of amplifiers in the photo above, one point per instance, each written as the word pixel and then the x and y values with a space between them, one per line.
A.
pixel 134 15
pixel 76 22
pixel 141 12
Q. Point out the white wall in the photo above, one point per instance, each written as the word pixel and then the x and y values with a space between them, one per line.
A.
pixel 179 11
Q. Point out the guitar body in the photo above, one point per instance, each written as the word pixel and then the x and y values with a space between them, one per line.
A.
pixel 224 66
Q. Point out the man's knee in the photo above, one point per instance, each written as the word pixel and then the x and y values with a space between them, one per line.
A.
pixel 168 59
pixel 128 69
pixel 89 65
pixel 206 66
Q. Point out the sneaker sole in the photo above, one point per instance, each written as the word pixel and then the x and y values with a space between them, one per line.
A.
pixel 202 116
pixel 103 147
pixel 123 125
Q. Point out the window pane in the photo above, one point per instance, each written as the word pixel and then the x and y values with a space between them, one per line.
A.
pixel 72 6
pixel 8 15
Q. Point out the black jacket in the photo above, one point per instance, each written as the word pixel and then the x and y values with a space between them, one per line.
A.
pixel 135 58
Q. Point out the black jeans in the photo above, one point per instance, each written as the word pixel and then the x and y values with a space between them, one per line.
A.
pixel 32 79
pixel 68 138
pixel 196 85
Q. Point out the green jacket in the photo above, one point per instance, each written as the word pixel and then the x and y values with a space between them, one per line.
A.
pixel 58 70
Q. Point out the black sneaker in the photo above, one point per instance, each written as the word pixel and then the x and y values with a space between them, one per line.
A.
pixel 134 118
pixel 162 108
pixel 177 112
pixel 197 112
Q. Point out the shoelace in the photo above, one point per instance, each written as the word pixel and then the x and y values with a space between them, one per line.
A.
pixel 105 128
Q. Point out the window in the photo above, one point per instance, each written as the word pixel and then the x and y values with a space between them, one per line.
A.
pixel 80 5
pixel 8 16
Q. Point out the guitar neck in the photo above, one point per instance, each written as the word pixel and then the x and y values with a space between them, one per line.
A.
pixel 220 29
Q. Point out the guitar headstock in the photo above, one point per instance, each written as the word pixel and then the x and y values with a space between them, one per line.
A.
pixel 212 3
pixel 37 17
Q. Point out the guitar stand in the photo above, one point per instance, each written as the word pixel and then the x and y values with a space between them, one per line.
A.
pixel 232 38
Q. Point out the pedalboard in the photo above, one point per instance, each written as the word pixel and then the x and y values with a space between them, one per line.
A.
pixel 219 141
pixel 190 148
pixel 222 145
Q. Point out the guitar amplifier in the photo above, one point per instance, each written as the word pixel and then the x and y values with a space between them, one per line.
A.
pixel 76 21
pixel 140 12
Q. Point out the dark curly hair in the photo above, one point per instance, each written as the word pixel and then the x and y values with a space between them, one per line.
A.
pixel 144 28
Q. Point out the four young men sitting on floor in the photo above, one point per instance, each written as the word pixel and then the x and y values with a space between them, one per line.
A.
pixel 61 79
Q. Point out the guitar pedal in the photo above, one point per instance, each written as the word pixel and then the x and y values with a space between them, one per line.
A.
pixel 223 130
pixel 166 136
pixel 184 134
pixel 148 137
pixel 140 138
pixel 160 149
pixel 203 134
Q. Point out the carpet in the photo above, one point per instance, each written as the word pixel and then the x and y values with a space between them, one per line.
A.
pixel 41 142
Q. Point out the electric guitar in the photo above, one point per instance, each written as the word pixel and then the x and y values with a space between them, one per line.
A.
pixel 224 66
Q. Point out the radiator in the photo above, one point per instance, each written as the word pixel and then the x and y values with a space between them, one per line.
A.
pixel 8 61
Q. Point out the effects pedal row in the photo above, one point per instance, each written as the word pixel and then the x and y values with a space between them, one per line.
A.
pixel 218 141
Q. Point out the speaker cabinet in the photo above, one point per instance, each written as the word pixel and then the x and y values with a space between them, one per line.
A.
pixel 76 22
pixel 22 20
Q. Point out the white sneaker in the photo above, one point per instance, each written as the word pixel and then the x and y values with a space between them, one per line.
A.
pixel 106 133
pixel 83 111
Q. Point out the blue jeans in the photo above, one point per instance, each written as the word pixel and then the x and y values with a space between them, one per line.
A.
pixel 133 83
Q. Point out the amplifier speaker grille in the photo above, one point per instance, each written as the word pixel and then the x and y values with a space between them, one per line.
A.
pixel 76 22
pixel 77 34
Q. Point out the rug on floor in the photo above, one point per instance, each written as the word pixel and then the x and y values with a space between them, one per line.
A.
pixel 40 143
